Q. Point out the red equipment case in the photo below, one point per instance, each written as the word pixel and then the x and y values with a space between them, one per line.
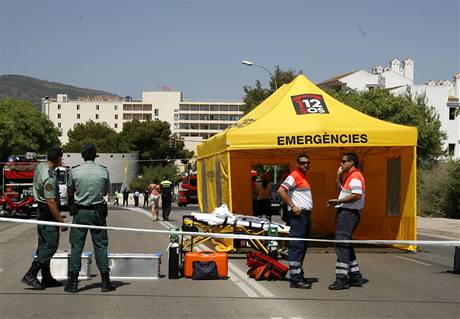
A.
pixel 221 260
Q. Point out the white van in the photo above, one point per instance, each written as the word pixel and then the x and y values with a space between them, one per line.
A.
pixel 62 174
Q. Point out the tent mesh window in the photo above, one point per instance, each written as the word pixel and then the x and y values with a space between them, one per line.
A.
pixel 393 186
pixel 218 183
pixel 204 193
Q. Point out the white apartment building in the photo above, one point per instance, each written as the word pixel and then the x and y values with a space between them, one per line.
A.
pixel 442 95
pixel 191 121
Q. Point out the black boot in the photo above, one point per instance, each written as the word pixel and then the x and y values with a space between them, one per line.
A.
pixel 30 278
pixel 106 284
pixel 72 282
pixel 300 285
pixel 339 284
pixel 47 278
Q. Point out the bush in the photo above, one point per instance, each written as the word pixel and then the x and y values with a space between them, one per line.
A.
pixel 438 190
pixel 154 172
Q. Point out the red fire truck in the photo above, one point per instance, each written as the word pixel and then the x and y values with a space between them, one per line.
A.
pixel 17 181
pixel 187 190
pixel 18 175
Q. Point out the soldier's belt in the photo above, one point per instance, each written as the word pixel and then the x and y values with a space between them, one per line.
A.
pixel 88 207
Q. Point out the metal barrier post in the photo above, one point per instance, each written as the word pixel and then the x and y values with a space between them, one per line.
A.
pixel 173 255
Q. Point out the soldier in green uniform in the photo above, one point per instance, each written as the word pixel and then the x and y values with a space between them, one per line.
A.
pixel 46 194
pixel 89 183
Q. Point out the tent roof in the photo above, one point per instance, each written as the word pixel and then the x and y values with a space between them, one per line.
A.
pixel 301 115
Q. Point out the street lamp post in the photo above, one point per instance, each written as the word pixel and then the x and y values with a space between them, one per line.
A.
pixel 250 63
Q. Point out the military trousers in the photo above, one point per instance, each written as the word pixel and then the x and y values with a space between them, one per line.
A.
pixel 48 237
pixel 48 242
pixel 99 237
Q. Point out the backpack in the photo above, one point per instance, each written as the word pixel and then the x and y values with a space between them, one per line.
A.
pixel 263 267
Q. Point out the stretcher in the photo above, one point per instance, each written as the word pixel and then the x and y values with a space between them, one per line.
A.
pixel 230 224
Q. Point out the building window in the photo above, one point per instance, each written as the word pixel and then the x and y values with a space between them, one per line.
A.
pixel 97 116
pixel 78 116
pixel 59 115
pixel 97 107
pixel 115 107
pixel 452 113
pixel 451 149
pixel 116 116
pixel 176 117
pixel 115 125
pixel 157 112
pixel 59 125
pixel 78 107
pixel 59 106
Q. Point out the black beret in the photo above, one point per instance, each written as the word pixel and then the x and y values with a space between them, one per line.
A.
pixel 54 153
pixel 88 148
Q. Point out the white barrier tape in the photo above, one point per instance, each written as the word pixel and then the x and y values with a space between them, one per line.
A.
pixel 241 236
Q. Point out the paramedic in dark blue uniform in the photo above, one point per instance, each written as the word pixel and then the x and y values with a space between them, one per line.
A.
pixel 295 192
pixel 166 198
pixel 350 182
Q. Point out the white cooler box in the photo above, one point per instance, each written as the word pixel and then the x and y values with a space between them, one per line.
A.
pixel 59 265
pixel 135 266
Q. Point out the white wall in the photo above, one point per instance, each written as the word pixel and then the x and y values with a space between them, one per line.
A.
pixel 360 80
pixel 391 79
pixel 123 167
pixel 165 101
pixel 437 97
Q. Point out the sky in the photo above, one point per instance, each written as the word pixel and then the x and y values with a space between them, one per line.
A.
pixel 196 47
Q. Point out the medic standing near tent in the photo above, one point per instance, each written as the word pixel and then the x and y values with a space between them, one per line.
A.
pixel 295 192
pixel 350 182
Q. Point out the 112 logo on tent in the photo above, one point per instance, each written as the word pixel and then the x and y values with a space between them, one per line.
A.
pixel 309 104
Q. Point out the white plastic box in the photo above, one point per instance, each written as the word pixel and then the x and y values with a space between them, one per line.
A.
pixel 135 266
pixel 59 265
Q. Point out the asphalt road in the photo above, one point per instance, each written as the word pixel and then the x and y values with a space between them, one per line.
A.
pixel 402 285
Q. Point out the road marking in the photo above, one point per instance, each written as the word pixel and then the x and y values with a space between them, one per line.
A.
pixel 168 224
pixel 247 290
pixel 265 292
pixel 413 260
pixel 238 276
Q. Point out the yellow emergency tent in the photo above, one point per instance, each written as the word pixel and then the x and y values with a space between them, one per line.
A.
pixel 301 118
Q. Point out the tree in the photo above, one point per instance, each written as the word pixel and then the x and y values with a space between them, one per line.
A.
pixel 406 110
pixel 255 96
pixel 100 134
pixel 152 140
pixel 23 128
pixel 155 172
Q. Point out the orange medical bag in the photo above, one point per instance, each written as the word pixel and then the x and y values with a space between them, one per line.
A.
pixel 221 260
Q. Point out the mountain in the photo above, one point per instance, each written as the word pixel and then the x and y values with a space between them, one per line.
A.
pixel 22 87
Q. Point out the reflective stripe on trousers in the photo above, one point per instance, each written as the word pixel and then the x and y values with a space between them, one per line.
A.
pixel 346 222
pixel 300 228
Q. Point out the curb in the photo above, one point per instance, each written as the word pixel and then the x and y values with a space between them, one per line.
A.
pixel 429 231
